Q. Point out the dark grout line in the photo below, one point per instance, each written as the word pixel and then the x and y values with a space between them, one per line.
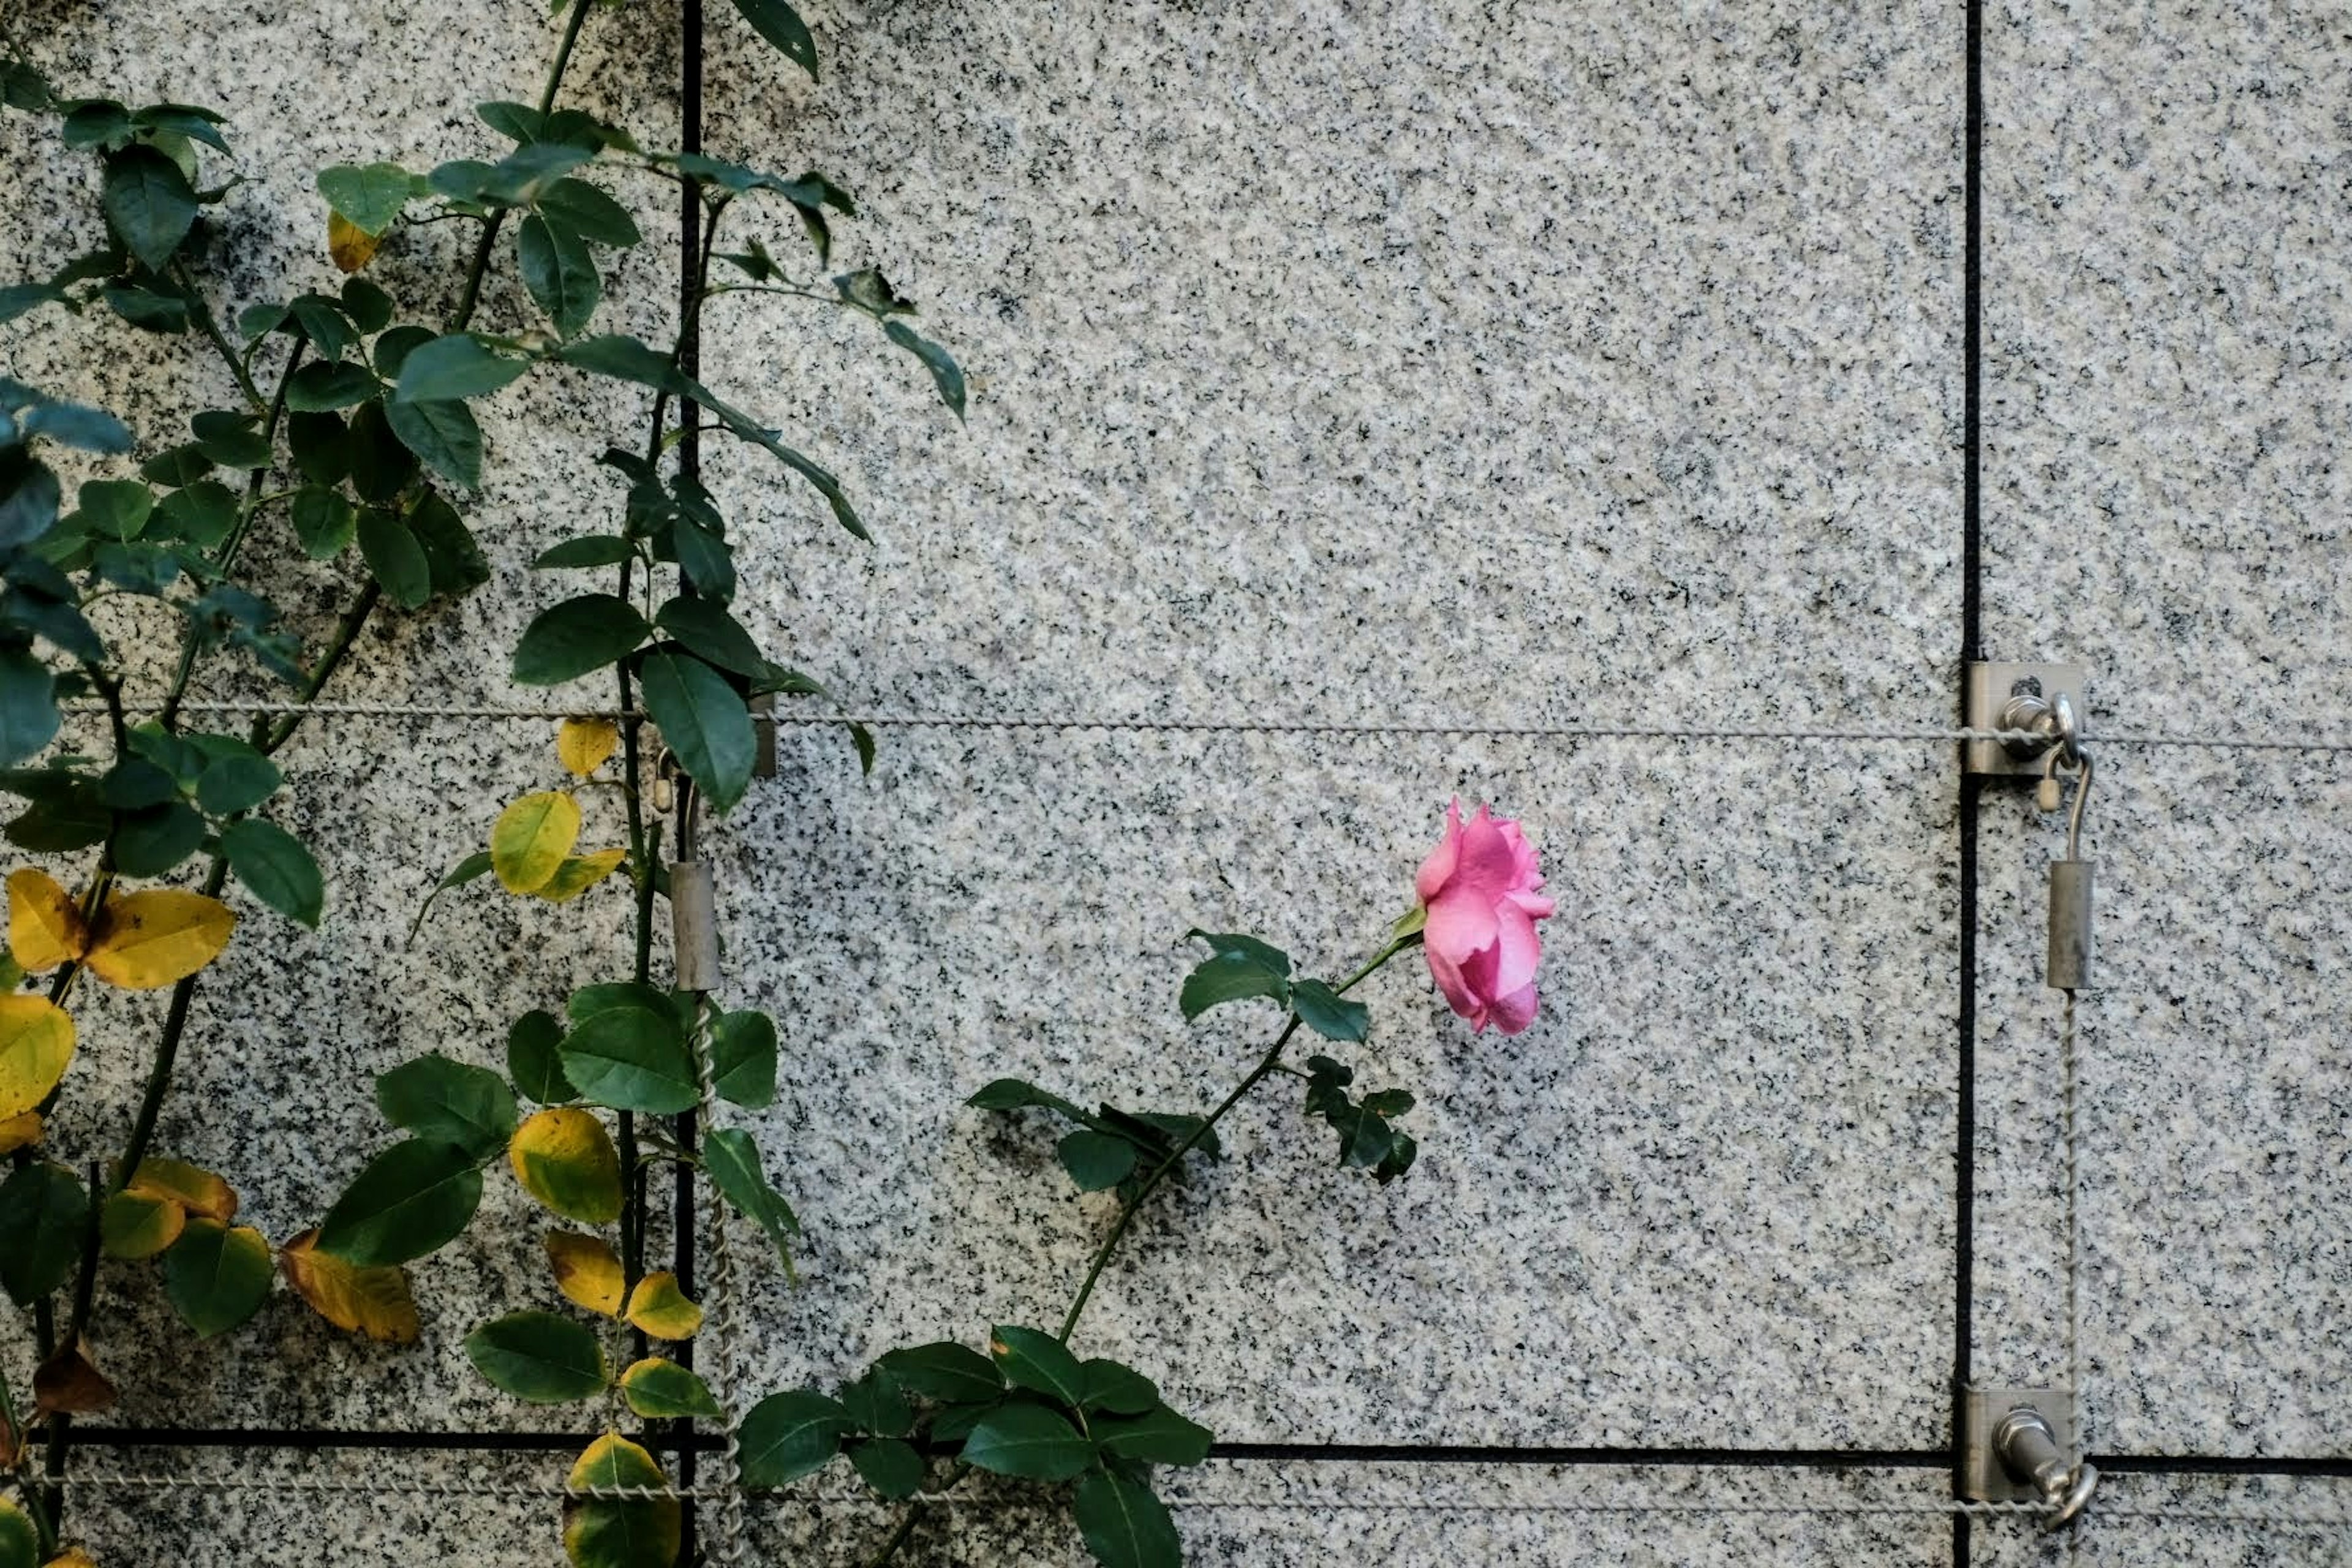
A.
pixel 1971 647
pixel 682 1439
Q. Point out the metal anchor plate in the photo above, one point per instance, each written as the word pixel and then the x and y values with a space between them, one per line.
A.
pixel 1991 687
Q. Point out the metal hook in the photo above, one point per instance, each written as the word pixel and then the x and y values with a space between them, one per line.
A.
pixel 2082 798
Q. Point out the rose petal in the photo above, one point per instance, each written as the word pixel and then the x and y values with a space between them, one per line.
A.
pixel 1515 1012
pixel 1438 870
pixel 1517 951
pixel 1461 921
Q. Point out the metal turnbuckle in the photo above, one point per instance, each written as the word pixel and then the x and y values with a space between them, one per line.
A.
pixel 2017 1446
pixel 2069 959
pixel 2036 706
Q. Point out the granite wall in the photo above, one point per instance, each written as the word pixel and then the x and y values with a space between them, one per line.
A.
pixel 1361 396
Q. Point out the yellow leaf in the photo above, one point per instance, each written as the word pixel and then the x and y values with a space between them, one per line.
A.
pixel 578 874
pixel 659 1307
pixel 372 1301
pixel 158 937
pixel 136 1224
pixel 36 1044
pixel 190 1186
pixel 21 1130
pixel 587 1271
pixel 599 1532
pixel 73 1557
pixel 583 745
pixel 531 837
pixel 45 926
pixel 350 245
pixel 565 1159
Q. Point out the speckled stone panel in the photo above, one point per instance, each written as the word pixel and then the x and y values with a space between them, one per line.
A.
pixel 2166 407
pixel 2159 1521
pixel 1694 1184
pixel 1413 359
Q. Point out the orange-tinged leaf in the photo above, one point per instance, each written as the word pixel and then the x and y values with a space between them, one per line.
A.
pixel 348 245
pixel 193 1187
pixel 45 926
pixel 72 1557
pixel 578 874
pixel 36 1045
pixel 370 1301
pixel 531 837
pixel 583 745
pixel 136 1223
pixel 565 1159
pixel 659 1307
pixel 158 937
pixel 619 1532
pixel 21 1130
pixel 70 1382
pixel 587 1271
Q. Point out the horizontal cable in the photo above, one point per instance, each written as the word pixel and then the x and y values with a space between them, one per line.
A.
pixel 1850 735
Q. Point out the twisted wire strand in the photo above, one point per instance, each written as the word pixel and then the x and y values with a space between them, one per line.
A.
pixel 1078 723
pixel 719 1314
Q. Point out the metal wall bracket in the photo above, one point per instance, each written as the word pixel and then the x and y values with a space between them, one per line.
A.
pixel 2026 697
pixel 764 731
pixel 2017 1444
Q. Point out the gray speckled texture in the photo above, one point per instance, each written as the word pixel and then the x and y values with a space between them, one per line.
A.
pixel 2166 410
pixel 2162 1522
pixel 1634 1196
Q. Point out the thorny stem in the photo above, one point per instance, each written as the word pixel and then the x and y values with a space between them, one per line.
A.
pixel 480 266
pixel 1267 1066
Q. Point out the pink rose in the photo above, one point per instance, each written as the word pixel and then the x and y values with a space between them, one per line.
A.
pixel 1479 885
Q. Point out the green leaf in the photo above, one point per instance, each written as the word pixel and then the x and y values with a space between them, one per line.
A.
pixel 540 1357
pixel 44 1212
pixel 230 438
pixel 590 213
pixel 370 196
pixel 118 508
pixel 707 630
pixel 76 425
pixel 28 497
pixel 559 273
pixel 1158 1436
pixel 150 843
pixel 324 523
pixel 320 444
pixel 1123 1523
pixel 633 1059
pixel 1017 1094
pixel 412 1199
pixel 444 433
pixel 184 119
pixel 472 868
pixel 20 1542
pixel 945 1370
pixel 877 1405
pixel 435 1096
pixel 369 307
pixel 731 1160
pixel 319 387
pixel 1121 1390
pixel 29 709
pixel 625 359
pixel 658 1389
pixel 743 1058
pixel 890 1466
pixel 1033 1359
pixel 1096 1161
pixel 608 1532
pixel 203 514
pixel 323 323
pixel 1232 976
pixel 148 204
pixel 453 556
pixel 577 638
pixel 788 1435
pixel 945 374
pixel 535 1048
pixel 395 557
pixel 1328 1014
pixel 1030 1442
pixel 217 1278
pixel 1265 952
pixel 381 463
pixel 870 291
pixel 457 366
pixel 782 25
pixel 590 550
pixel 277 869
pixel 392 349
pixel 703 722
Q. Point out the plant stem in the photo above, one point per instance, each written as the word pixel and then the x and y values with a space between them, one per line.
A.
pixel 480 267
pixel 339 648
pixel 1267 1066
pixel 211 328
